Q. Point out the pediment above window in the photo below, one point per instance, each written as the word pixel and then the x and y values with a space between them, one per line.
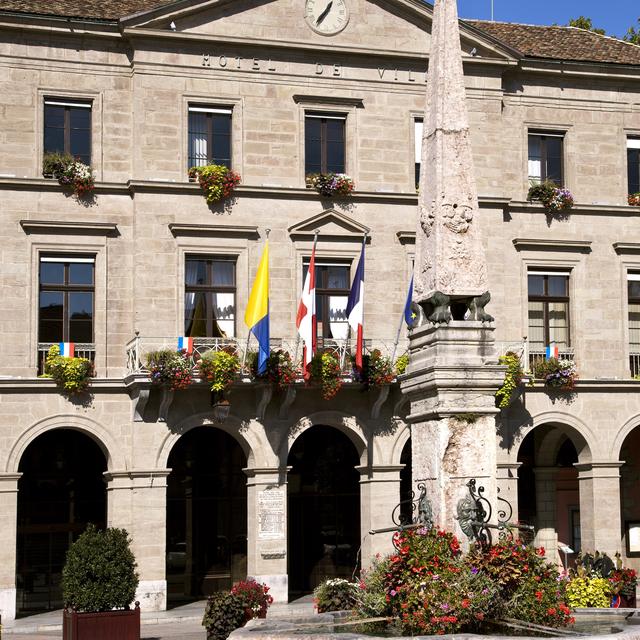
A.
pixel 332 225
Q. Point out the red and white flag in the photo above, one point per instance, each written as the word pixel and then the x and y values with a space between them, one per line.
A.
pixel 306 318
pixel 355 307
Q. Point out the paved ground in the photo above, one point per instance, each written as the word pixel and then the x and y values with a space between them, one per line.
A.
pixel 180 623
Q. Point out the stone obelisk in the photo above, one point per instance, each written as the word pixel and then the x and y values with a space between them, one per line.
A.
pixel 453 372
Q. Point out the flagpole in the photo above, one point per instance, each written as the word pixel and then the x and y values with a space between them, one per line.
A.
pixel 395 344
pixel 246 349
pixel 316 233
pixel 364 244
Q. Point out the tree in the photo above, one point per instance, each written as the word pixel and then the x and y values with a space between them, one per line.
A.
pixel 582 22
pixel 633 35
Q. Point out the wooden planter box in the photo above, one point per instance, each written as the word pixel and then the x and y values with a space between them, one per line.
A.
pixel 106 625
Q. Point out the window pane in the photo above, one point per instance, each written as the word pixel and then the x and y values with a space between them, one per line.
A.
pixel 81 145
pixel 51 273
pixel 80 118
pixel 535 158
pixel 634 289
pixel 559 323
pixel 80 331
pixel 80 273
pixel 196 322
pixel 536 325
pixel 634 328
pixel 201 271
pixel 54 140
pixel 554 160
pixel 338 325
pixel 80 305
pixel 557 285
pixel 536 285
pixel 312 145
pixel 50 317
pixel 633 170
pixel 225 312
pixel 337 277
pixel 198 139
pixel 223 273
pixel 335 157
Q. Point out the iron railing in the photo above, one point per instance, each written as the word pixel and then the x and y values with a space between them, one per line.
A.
pixel 530 357
pixel 634 365
pixel 82 350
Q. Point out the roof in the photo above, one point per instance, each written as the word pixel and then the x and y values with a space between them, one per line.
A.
pixel 561 43
pixel 555 43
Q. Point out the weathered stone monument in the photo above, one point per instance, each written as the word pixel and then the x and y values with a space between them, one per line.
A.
pixel 452 375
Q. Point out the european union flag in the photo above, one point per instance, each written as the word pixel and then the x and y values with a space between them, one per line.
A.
pixel 409 316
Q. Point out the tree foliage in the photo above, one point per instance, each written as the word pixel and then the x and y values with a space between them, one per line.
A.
pixel 633 34
pixel 582 22
pixel 100 571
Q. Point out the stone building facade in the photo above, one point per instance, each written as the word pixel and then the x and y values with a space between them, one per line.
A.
pixel 288 486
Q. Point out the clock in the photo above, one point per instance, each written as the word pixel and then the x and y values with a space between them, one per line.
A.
pixel 326 17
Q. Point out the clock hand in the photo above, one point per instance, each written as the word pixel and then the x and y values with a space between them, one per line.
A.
pixel 323 15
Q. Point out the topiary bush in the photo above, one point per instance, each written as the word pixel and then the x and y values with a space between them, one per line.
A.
pixel 100 571
pixel 223 614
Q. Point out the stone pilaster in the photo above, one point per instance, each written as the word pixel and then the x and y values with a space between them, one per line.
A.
pixel 546 516
pixel 599 484
pixel 508 484
pixel 137 501
pixel 267 529
pixel 451 381
pixel 8 533
pixel 379 495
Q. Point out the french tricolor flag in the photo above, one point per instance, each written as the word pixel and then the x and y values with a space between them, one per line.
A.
pixel 355 307
pixel 185 343
pixel 306 316
pixel 551 351
pixel 67 349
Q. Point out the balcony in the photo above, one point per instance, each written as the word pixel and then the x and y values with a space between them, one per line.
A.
pixel 82 350
pixel 531 356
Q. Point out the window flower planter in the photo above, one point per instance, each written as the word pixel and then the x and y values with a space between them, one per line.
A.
pixel 559 375
pixel 105 625
pixel 634 199
pixel 553 198
pixel 216 181
pixel 69 172
pixel 330 185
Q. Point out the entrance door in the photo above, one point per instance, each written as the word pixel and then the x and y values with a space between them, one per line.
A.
pixel 206 514
pixel 324 509
pixel 61 491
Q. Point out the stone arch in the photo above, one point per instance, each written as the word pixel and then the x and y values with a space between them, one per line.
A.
pixel 254 446
pixel 401 440
pixel 575 429
pixel 346 423
pixel 621 436
pixel 108 444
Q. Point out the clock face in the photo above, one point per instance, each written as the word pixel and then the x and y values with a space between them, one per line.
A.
pixel 326 17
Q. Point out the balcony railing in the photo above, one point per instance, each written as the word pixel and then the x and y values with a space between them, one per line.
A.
pixel 138 348
pixel 530 357
pixel 82 350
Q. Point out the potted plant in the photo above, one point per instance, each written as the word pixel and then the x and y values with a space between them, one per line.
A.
pixel 336 594
pixel 553 198
pixel 634 199
pixel 513 378
pixel 330 184
pixel 227 611
pixel 172 369
pixel 72 374
pixel 326 371
pixel 216 180
pixel 69 173
pixel 401 364
pixel 281 370
pixel 99 583
pixel 377 370
pixel 560 375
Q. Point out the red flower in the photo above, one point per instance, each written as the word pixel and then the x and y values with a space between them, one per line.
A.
pixel 465 604
pixel 539 595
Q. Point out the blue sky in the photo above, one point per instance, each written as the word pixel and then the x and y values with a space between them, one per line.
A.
pixel 615 16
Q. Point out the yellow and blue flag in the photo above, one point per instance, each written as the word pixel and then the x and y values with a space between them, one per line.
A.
pixel 256 316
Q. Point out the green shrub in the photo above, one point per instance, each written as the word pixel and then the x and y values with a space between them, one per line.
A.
pixel 217 181
pixel 325 370
pixel 589 592
pixel 337 594
pixel 72 374
pixel 220 368
pixel 512 378
pixel 223 614
pixel 402 363
pixel 100 571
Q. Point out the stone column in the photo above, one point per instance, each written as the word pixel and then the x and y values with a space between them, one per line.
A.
pixel 508 485
pixel 137 501
pixel 451 381
pixel 8 531
pixel 379 495
pixel 267 529
pixel 599 485
pixel 546 499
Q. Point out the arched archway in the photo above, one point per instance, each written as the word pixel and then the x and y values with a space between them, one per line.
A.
pixel 548 488
pixel 323 508
pixel 629 491
pixel 406 483
pixel 206 514
pixel 61 490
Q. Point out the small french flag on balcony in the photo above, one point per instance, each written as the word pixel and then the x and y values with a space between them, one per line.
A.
pixel 67 349
pixel 551 351
pixel 185 343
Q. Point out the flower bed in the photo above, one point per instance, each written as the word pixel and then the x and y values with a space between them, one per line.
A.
pixel 554 199
pixel 69 173
pixel 217 181
pixel 330 184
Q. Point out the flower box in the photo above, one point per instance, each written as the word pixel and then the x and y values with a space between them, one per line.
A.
pixel 634 199
pixel 330 185
pixel 105 625
pixel 553 198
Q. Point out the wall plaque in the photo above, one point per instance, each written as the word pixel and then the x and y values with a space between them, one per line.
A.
pixel 271 511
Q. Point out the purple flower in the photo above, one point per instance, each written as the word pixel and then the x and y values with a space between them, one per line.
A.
pixel 474 570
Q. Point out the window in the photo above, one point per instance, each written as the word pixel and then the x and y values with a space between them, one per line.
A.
pixel 67 128
pixel 548 309
pixel 633 294
pixel 210 297
pixel 545 157
pixel 209 136
pixel 633 164
pixel 332 293
pixel 417 130
pixel 66 292
pixel 324 143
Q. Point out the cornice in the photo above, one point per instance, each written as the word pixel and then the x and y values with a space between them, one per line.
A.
pixel 582 246
pixel 626 247
pixel 609 70
pixel 577 209
pixel 244 231
pixel 69 227
pixel 328 100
